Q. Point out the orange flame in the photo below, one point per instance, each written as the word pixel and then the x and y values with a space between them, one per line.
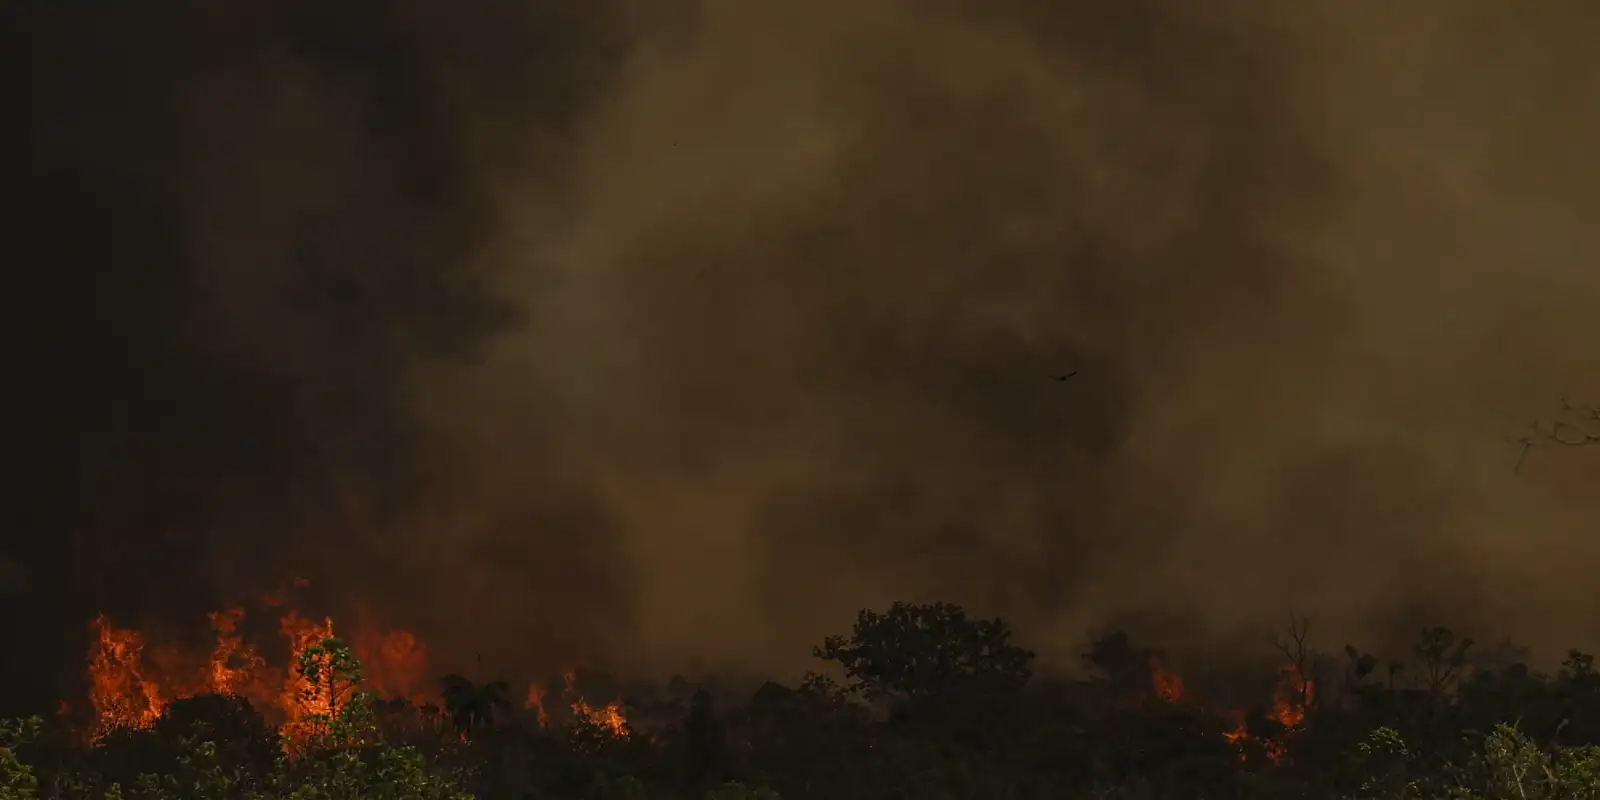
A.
pixel 119 691
pixel 1237 734
pixel 234 664
pixel 394 664
pixel 1168 686
pixel 1291 696
pixel 131 685
pixel 303 703
pixel 608 718
pixel 535 701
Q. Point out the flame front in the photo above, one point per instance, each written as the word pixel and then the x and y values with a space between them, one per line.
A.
pixel 131 685
pixel 119 691
pixel 235 665
pixel 302 701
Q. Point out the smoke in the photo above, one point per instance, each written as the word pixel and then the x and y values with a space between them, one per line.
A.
pixel 662 334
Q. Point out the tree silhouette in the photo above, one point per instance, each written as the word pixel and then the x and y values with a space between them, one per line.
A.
pixel 1124 668
pixel 918 651
pixel 703 740
pixel 1441 656
pixel 473 706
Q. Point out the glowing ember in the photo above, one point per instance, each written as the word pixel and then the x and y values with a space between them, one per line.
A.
pixel 1236 736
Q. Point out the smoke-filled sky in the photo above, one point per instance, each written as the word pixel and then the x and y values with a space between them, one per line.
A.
pixel 661 335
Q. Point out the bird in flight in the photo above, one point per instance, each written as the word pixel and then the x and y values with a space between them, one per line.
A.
pixel 1063 377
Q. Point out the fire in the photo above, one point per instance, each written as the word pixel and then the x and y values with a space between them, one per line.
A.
pixel 121 694
pixel 302 702
pixel 394 664
pixel 608 718
pixel 535 701
pixel 1168 686
pixel 131 685
pixel 1291 696
pixel 1290 699
pixel 1237 734
pixel 234 664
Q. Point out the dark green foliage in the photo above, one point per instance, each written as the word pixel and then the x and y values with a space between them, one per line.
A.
pixel 471 706
pixel 919 651
pixel 937 706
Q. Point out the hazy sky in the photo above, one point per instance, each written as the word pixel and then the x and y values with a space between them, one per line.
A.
pixel 671 333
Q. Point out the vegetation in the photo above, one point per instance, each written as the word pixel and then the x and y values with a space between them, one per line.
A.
pixel 930 704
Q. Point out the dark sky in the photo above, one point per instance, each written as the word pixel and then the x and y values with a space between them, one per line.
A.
pixel 652 334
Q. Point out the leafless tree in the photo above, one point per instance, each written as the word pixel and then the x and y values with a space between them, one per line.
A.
pixel 1441 656
pixel 1300 658
pixel 1572 426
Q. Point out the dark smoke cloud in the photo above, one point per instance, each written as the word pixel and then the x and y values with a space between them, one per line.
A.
pixel 247 229
pixel 660 333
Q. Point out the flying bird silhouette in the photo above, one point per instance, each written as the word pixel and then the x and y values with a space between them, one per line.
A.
pixel 1063 377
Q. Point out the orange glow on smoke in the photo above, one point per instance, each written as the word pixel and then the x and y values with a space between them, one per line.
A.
pixel 535 701
pixel 1168 686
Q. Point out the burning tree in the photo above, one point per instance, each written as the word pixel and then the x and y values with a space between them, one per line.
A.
pixel 123 696
pixel 330 707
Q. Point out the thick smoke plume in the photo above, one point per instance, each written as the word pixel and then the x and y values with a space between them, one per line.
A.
pixel 662 336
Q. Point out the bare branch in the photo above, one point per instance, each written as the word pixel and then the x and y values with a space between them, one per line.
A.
pixel 1572 426
pixel 1298 655
pixel 1295 648
pixel 1579 427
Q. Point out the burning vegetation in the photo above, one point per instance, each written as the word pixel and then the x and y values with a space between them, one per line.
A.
pixel 1291 698
pixel 919 696
pixel 132 683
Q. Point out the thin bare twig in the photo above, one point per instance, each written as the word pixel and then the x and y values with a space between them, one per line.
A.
pixel 1573 426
